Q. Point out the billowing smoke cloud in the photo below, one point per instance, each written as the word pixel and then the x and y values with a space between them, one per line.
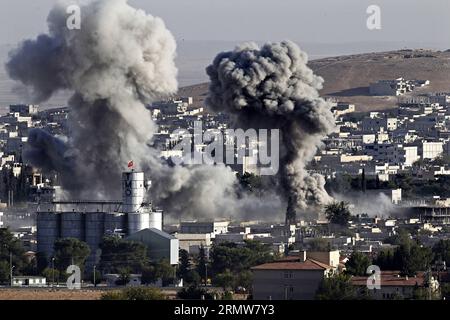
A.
pixel 363 203
pixel 272 87
pixel 120 60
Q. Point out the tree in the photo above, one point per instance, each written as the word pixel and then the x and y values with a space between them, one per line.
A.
pixel 202 263
pixel 165 271
pixel 445 291
pixel 357 264
pixel 409 257
pixel 4 272
pixel 363 181
pixel 12 247
pixel 135 294
pixel 238 258
pixel 149 275
pixel 244 279
pixel 21 190
pixel 338 213
pixel 194 293
pixel 336 287
pixel 226 280
pixel 41 261
pixel 51 274
pixel 192 277
pixel 385 260
pixel 118 253
pixel 124 276
pixel 70 251
pixel 419 259
pixel 441 251
pixel 184 264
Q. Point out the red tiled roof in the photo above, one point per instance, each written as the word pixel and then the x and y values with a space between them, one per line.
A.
pixel 309 264
pixel 392 278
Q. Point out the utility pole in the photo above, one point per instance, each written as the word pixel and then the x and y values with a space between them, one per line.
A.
pixel 206 273
pixel 53 271
pixel 95 283
pixel 11 267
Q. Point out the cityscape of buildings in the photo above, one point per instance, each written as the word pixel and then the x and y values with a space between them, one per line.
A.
pixel 391 157
pixel 281 178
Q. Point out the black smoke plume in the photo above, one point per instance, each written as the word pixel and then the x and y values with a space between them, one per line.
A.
pixel 272 87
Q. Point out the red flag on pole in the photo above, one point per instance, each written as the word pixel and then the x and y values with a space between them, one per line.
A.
pixel 130 164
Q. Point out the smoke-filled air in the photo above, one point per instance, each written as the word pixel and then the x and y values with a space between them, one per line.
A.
pixel 272 87
pixel 120 60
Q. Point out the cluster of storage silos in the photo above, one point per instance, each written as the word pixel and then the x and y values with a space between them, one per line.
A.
pixel 91 227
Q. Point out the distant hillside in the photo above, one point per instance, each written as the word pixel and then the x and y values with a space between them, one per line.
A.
pixel 348 77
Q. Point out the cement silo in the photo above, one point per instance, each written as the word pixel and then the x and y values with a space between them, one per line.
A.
pixel 73 225
pixel 48 231
pixel 156 219
pixel 140 213
pixel 95 228
pixel 133 191
pixel 137 222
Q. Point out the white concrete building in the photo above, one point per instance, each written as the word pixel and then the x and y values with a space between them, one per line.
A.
pixel 197 227
pixel 396 87
pixel 28 281
pixel 375 123
pixel 430 150
pixel 191 242
pixel 24 109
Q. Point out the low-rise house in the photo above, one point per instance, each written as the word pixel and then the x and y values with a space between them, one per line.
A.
pixel 295 277
pixel 28 281
pixel 393 285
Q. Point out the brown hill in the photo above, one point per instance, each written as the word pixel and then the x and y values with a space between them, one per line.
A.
pixel 348 77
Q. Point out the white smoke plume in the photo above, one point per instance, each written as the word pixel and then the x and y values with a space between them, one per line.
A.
pixel 272 87
pixel 374 204
pixel 120 60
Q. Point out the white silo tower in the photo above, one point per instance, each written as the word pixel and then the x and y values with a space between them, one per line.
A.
pixel 140 214
pixel 133 191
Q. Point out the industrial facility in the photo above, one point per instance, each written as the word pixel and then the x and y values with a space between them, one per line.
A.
pixel 90 221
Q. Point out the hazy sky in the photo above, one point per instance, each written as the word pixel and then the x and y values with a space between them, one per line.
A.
pixel 322 21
